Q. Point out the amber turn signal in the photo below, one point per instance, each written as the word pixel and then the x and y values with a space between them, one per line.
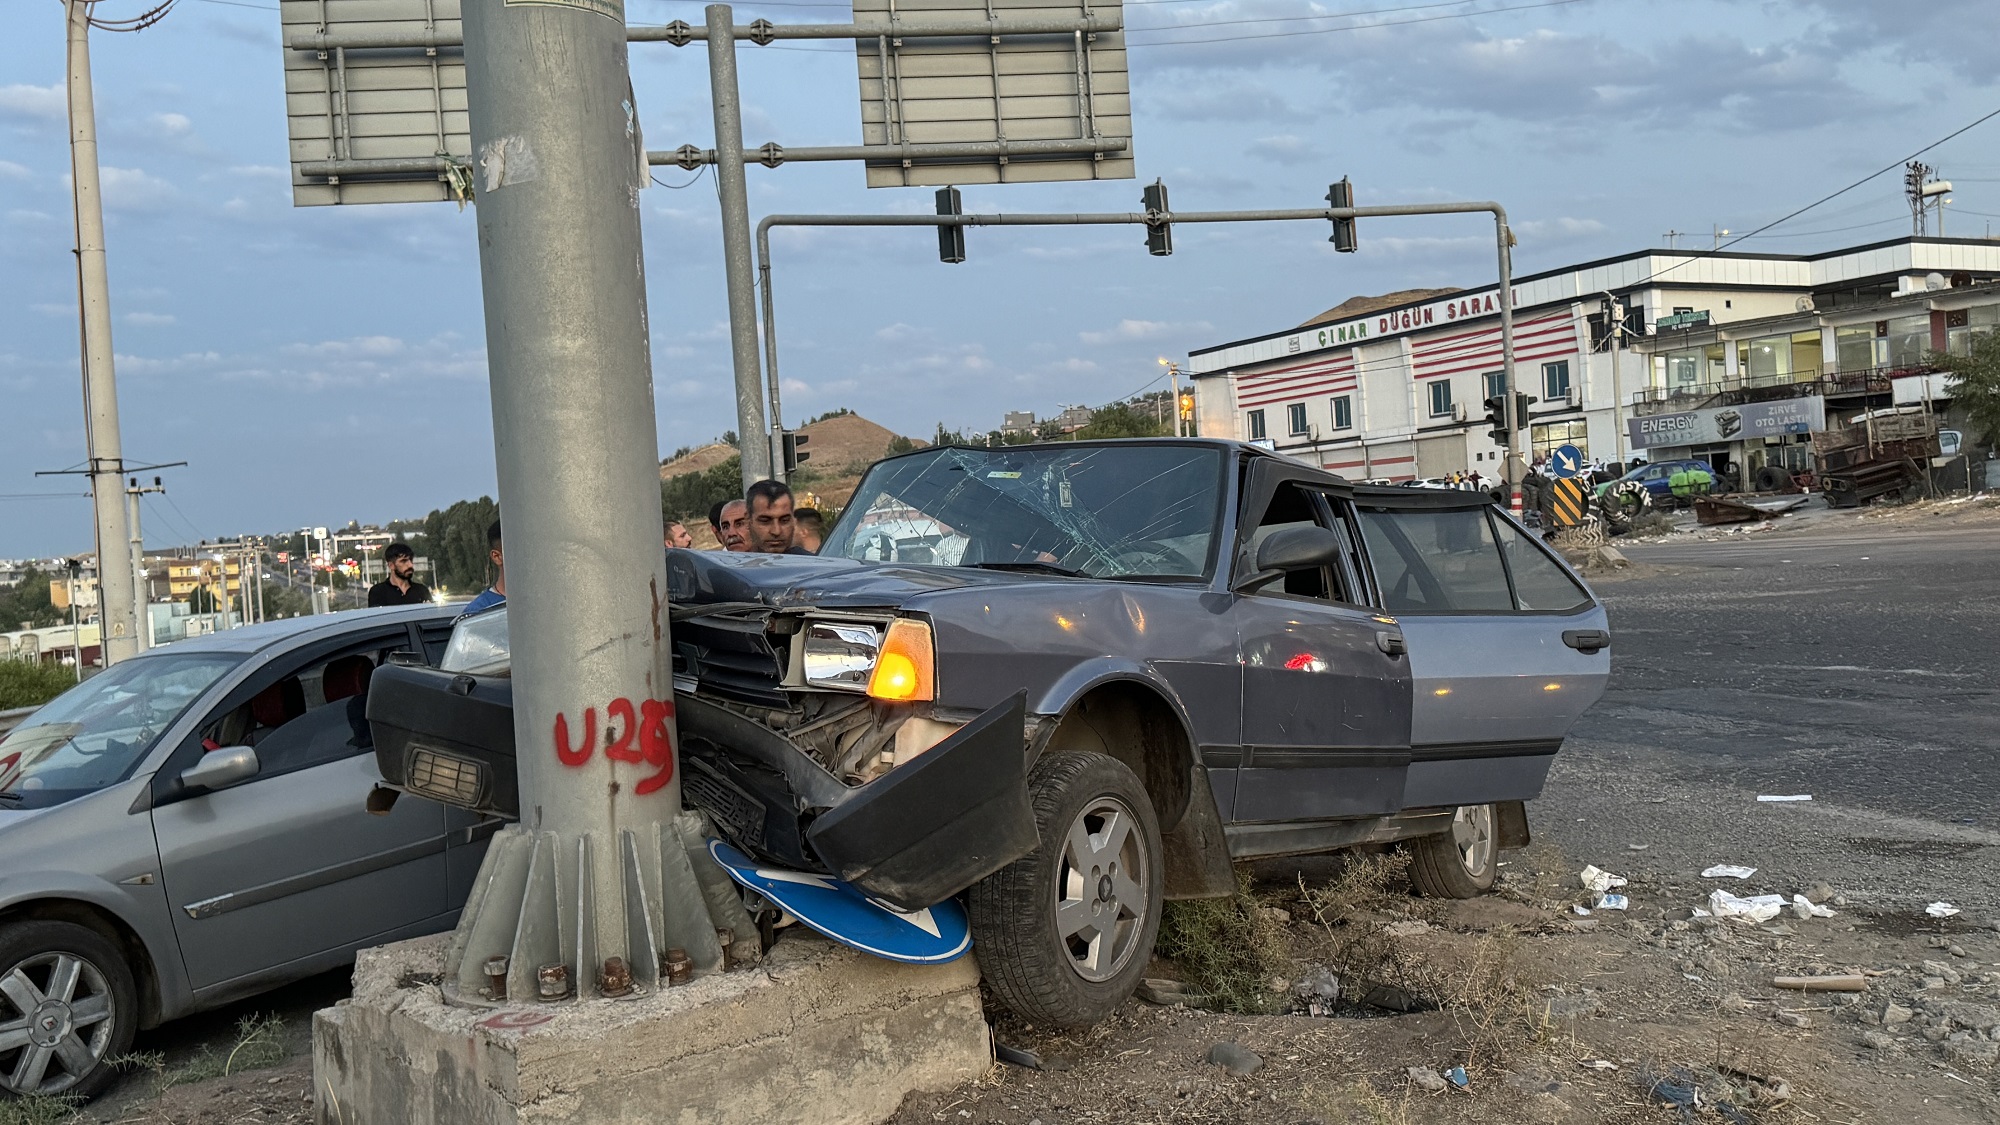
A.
pixel 906 669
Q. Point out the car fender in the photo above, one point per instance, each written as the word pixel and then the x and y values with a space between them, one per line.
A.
pixel 141 909
pixel 1195 850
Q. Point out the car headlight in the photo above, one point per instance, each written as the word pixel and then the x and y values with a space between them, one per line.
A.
pixel 478 645
pixel 841 655
pixel 899 665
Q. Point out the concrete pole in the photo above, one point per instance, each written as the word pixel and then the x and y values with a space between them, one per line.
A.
pixel 597 867
pixel 138 549
pixel 1517 466
pixel 1616 313
pixel 117 615
pixel 752 435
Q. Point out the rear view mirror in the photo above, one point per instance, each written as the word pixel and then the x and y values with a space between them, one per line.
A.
pixel 1298 548
pixel 219 769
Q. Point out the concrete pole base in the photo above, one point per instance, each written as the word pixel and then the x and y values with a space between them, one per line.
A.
pixel 817 1033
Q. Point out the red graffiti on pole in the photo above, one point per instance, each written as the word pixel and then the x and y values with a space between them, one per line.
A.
pixel 624 726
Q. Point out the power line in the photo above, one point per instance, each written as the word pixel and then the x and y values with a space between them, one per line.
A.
pixel 1694 254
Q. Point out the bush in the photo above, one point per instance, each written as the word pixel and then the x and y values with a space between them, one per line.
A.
pixel 1228 948
pixel 26 683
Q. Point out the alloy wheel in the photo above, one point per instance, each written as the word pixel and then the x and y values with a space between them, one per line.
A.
pixel 56 1022
pixel 1102 889
pixel 1472 838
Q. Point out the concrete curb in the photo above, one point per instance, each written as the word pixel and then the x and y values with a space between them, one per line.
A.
pixel 818 1033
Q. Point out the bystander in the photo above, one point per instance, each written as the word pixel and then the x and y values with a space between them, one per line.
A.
pixel 401 586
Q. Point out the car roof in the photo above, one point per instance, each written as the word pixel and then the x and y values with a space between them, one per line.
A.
pixel 1395 495
pixel 291 630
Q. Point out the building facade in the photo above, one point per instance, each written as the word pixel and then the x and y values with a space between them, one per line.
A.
pixel 1398 393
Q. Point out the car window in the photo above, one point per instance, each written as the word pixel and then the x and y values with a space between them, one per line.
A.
pixel 305 717
pixel 1540 583
pixel 1436 561
pixel 435 636
pixel 1290 507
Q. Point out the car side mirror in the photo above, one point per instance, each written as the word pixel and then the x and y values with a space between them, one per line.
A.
pixel 1295 548
pixel 1299 548
pixel 220 769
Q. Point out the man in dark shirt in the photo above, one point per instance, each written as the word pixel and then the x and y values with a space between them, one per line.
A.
pixel 772 530
pixel 401 587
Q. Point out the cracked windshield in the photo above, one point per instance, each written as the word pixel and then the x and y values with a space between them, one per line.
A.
pixel 1123 511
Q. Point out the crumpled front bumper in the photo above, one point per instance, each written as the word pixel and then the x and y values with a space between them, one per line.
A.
pixel 915 836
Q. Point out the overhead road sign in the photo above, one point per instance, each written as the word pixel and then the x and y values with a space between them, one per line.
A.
pixel 1003 81
pixel 369 124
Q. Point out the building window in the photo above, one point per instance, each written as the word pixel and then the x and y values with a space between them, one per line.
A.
pixel 1295 415
pixel 1441 398
pixel 1545 437
pixel 1256 419
pixel 1555 381
pixel 1854 347
pixel 1496 384
pixel 1343 412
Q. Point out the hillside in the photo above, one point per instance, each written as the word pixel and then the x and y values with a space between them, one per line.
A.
pixel 839 446
pixel 700 461
pixel 1361 306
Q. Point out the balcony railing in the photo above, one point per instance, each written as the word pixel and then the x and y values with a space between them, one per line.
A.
pixel 1736 392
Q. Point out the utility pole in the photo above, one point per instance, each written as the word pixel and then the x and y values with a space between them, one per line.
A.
pixel 752 435
pixel 1614 314
pixel 142 596
pixel 559 165
pixel 1673 238
pixel 117 615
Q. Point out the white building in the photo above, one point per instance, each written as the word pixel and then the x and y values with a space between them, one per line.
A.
pixel 1397 392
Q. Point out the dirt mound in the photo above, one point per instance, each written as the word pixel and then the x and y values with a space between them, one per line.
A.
pixel 700 461
pixel 846 442
pixel 1362 306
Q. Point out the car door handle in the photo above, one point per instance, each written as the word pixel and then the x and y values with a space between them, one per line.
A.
pixel 1586 641
pixel 1391 643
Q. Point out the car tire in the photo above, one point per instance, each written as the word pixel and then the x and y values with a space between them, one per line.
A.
pixel 1461 862
pixel 1097 875
pixel 70 991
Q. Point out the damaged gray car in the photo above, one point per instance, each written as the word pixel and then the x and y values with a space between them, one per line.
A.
pixel 1070 681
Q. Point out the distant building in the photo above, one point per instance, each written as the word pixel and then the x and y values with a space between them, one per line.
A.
pixel 1733 357
pixel 1018 422
pixel 1074 418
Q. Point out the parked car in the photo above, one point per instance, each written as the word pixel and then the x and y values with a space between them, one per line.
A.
pixel 1151 658
pixel 1657 477
pixel 187 828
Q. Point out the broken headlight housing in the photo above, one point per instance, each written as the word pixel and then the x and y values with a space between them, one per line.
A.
pixel 840 654
pixel 897 664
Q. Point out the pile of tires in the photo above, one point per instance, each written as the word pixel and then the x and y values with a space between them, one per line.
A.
pixel 1623 503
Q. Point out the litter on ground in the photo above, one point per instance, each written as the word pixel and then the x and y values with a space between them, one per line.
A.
pixel 1728 871
pixel 1940 910
pixel 1752 910
pixel 1796 797
pixel 1595 879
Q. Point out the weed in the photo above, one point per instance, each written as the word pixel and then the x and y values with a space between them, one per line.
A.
pixel 260 1043
pixel 1359 1103
pixel 1230 948
pixel 1650 523
pixel 38 1109
pixel 1349 939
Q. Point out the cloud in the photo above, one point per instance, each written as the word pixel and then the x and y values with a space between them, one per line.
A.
pixel 23 215
pixel 1285 149
pixel 1560 230
pixel 12 171
pixel 134 189
pixel 47 308
pixel 148 319
pixel 173 124
pixel 1935 31
pixel 1132 330
pixel 373 347
pixel 46 102
pixel 896 332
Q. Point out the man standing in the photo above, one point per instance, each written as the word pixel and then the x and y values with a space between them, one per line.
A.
pixel 495 594
pixel 772 528
pixel 401 586
pixel 810 529
pixel 731 522
pixel 677 534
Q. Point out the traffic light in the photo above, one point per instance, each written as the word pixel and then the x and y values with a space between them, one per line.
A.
pixel 1187 406
pixel 1159 232
pixel 793 445
pixel 1521 404
pixel 1342 195
pixel 951 239
pixel 1496 417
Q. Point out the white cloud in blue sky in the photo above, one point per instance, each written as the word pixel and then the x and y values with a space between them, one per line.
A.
pixel 318 365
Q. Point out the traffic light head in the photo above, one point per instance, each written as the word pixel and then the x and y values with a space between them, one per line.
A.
pixel 795 449
pixel 1342 195
pixel 1160 234
pixel 951 239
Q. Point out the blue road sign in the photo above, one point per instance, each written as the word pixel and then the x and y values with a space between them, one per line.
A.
pixel 1565 462
pixel 929 936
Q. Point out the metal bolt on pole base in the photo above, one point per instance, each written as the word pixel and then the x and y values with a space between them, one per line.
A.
pixel 533 908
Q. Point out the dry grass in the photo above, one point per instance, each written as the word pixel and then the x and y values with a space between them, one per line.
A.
pixel 260 1043
pixel 1230 949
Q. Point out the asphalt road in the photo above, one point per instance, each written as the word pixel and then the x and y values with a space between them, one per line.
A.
pixel 1855 660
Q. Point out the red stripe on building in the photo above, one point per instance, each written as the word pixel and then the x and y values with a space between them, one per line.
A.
pixel 1290 396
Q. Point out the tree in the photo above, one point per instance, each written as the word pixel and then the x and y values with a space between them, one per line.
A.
pixel 1976 388
pixel 201 599
pixel 689 496
pixel 454 540
pixel 900 444
pixel 30 603
pixel 1122 420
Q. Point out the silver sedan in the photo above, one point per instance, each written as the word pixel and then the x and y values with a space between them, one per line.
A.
pixel 188 828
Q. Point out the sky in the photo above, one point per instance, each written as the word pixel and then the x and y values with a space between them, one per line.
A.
pixel 320 365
